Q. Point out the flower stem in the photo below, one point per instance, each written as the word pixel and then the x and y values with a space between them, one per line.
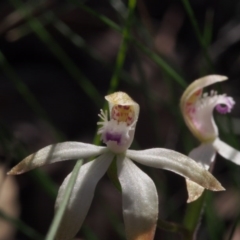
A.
pixel 193 214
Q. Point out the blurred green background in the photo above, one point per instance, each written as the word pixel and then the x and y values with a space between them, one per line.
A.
pixel 58 59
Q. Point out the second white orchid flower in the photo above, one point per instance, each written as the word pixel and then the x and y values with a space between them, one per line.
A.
pixel 197 109
pixel 139 194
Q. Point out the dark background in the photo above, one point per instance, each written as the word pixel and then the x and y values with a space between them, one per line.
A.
pixel 30 66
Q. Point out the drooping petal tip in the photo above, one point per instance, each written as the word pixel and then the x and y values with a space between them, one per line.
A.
pixel 204 155
pixel 211 183
pixel 178 163
pixel 194 191
pixel 22 167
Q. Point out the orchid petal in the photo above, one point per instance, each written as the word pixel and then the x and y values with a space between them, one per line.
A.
pixel 197 115
pixel 81 196
pixel 204 155
pixel 56 153
pixel 140 201
pixel 178 163
pixel 227 151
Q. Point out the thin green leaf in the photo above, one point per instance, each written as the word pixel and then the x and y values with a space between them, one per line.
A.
pixel 175 228
pixel 193 214
pixel 27 95
pixel 155 57
pixel 123 47
pixel 60 212
pixel 21 226
pixel 57 50
pixel 198 34
pixel 214 224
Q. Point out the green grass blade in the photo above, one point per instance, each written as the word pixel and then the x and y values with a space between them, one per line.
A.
pixel 57 50
pixel 60 212
pixel 193 214
pixel 26 94
pixel 161 63
pixel 234 226
pixel 44 181
pixel 114 82
pixel 21 226
pixel 208 27
pixel 214 223
pixel 174 228
pixel 153 56
pixel 197 32
pixel 90 235
pixel 123 47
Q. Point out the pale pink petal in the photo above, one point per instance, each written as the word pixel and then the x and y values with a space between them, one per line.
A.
pixel 196 113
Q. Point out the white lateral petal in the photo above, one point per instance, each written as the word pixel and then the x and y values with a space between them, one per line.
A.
pixel 227 151
pixel 140 201
pixel 56 153
pixel 203 155
pixel 81 196
pixel 178 163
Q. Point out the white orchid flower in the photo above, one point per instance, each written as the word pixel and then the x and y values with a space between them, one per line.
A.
pixel 197 109
pixel 139 194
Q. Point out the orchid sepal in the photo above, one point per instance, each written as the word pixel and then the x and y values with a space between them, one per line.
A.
pixel 81 195
pixel 178 163
pixel 140 200
pixel 227 151
pixel 56 153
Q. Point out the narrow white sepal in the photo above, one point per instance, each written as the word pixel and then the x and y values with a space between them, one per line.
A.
pixel 81 196
pixel 56 153
pixel 226 151
pixel 204 155
pixel 178 163
pixel 140 200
